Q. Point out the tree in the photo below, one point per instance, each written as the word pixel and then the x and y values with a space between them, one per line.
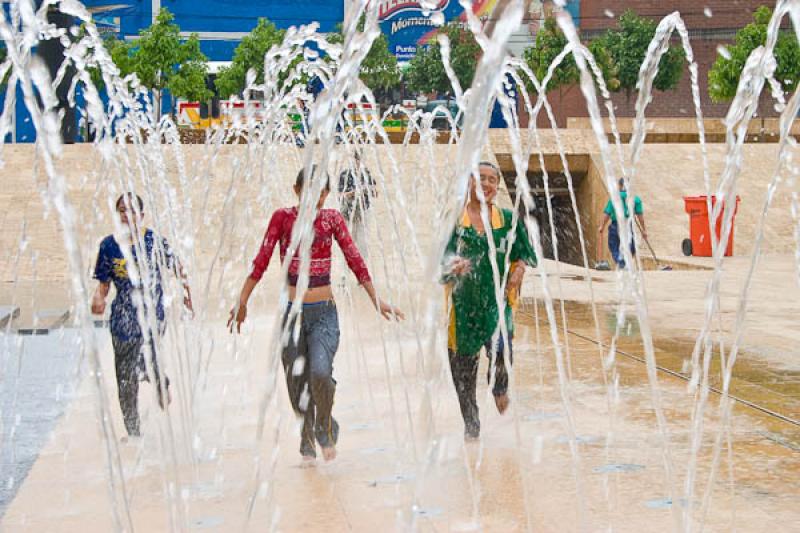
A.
pixel 426 72
pixel 626 48
pixel 551 41
pixel 162 60
pixel 723 78
pixel 379 70
pixel 121 55
pixel 4 81
pixel 249 55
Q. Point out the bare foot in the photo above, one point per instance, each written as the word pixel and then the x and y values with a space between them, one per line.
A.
pixel 329 453
pixel 502 402
pixel 308 461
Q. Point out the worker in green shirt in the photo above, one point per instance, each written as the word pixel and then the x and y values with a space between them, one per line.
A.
pixel 473 312
pixel 613 230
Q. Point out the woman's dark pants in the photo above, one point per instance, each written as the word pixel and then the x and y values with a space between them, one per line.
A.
pixel 128 359
pixel 464 368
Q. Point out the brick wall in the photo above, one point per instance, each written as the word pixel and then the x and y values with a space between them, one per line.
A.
pixel 725 13
pixel 727 17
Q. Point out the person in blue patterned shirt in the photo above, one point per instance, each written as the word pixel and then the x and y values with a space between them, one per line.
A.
pixel 139 302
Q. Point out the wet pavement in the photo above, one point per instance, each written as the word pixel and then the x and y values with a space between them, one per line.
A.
pixel 37 377
pixel 402 462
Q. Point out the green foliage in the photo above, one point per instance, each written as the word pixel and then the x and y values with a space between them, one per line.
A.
pixel 162 60
pixel 723 78
pixel 379 70
pixel 626 48
pixel 121 55
pixel 4 81
pixel 249 55
pixel 425 72
pixel 551 41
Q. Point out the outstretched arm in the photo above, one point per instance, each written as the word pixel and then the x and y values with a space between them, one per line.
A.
pixel 260 264
pixel 356 263
pixel 239 312
pixel 99 297
pixel 387 310
pixel 642 227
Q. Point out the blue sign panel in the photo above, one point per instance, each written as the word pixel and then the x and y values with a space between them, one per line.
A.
pixel 408 25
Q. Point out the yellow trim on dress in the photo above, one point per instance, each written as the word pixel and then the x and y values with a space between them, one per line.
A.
pixel 497 218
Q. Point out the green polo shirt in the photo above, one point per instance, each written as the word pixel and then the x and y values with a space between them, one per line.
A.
pixel 637 206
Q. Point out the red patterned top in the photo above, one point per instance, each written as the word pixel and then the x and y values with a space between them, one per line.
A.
pixel 328 225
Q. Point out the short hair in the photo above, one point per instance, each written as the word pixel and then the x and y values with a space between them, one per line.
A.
pixel 490 165
pixel 301 178
pixel 130 196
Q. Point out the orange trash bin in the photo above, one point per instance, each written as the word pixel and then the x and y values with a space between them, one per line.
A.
pixel 699 243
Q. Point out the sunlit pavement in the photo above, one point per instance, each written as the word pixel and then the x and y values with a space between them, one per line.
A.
pixel 402 459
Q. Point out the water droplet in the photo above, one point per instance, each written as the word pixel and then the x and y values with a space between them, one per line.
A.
pixel 707 12
pixel 723 51
pixel 609 13
pixel 426 512
pixel 209 522
pixel 614 468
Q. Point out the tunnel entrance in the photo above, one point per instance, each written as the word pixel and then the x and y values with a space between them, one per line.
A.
pixel 590 198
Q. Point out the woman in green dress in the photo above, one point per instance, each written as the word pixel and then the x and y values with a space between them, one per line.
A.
pixel 473 311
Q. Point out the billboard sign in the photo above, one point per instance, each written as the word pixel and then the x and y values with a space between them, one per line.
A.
pixel 409 25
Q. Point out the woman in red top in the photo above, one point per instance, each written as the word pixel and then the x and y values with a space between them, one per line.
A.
pixel 308 360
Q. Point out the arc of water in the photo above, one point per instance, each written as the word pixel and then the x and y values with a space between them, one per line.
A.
pixel 587 87
pixel 32 76
pixel 757 70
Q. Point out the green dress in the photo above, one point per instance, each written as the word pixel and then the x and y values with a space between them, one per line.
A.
pixel 473 306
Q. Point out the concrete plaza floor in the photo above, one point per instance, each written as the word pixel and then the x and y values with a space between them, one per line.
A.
pixel 402 458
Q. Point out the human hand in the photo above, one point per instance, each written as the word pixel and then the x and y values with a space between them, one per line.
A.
pixel 389 311
pixel 98 305
pixel 460 266
pixel 238 315
pixel 515 278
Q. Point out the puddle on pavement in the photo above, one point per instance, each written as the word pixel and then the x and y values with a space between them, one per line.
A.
pixel 621 468
pixel 753 380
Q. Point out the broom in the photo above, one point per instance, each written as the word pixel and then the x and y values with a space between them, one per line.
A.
pixel 659 266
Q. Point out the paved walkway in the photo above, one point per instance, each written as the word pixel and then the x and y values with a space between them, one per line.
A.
pixel 402 460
